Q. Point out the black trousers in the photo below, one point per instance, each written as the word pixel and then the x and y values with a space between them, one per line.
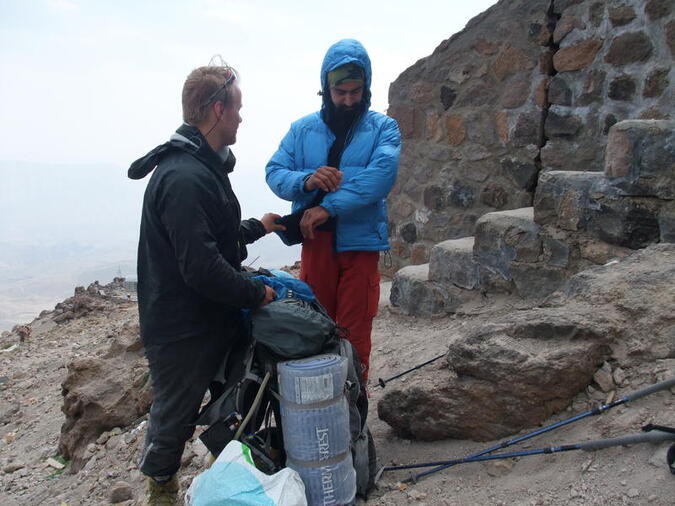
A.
pixel 180 372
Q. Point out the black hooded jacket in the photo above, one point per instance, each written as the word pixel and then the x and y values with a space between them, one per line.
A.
pixel 192 243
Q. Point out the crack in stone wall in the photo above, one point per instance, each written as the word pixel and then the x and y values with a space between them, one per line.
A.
pixel 550 71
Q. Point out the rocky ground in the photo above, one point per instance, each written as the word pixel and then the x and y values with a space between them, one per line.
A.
pixel 33 365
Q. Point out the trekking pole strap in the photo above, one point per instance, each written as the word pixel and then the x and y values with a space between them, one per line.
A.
pixel 650 427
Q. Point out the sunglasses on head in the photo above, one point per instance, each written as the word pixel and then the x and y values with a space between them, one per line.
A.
pixel 220 88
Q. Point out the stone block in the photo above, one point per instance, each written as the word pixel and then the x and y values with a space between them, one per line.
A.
pixel 405 118
pixel 448 96
pixel 414 294
pixel 622 88
pixel 409 233
pixel 576 57
pixel 592 88
pixel 628 222
pixel 526 130
pixel 509 61
pixel 559 92
pixel 600 252
pixel 562 198
pixel 656 83
pixel 621 15
pixel 460 195
pixel 653 113
pixel 506 236
pixel 640 158
pixel 556 252
pixel 475 96
pixel 493 281
pixel 455 128
pixel 667 222
pixel 494 195
pixel 434 198
pixel 422 92
pixel 629 48
pixel 516 92
pixel 419 254
pixel 670 37
pixel 569 21
pixel 452 262
pixel 536 280
pixel 523 174
pixel 596 13
pixel 562 125
pixel 657 9
pixel 502 126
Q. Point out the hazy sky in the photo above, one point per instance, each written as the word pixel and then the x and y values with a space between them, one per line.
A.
pixel 87 81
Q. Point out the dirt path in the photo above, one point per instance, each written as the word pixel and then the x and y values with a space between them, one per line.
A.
pixel 30 420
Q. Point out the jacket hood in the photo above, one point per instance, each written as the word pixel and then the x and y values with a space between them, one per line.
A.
pixel 188 139
pixel 343 52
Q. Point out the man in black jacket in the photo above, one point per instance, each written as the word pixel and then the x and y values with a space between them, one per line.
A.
pixel 190 284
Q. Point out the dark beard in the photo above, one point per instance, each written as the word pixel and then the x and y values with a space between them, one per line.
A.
pixel 345 114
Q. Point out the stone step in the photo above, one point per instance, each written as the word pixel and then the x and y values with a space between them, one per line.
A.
pixel 452 262
pixel 500 239
pixel 413 293
pixel 640 159
pixel 564 199
pixel 509 251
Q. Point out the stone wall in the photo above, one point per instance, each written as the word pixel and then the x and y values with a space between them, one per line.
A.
pixel 614 62
pixel 527 86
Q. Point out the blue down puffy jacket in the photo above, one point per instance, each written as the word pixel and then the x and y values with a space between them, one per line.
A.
pixel 369 163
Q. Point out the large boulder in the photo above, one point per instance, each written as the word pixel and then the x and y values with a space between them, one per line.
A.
pixel 506 376
pixel 101 393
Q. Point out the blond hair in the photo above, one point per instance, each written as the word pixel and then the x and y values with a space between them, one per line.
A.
pixel 204 86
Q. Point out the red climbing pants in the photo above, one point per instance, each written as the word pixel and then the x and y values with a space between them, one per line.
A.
pixel 347 284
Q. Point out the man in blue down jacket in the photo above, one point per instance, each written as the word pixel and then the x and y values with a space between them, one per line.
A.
pixel 337 165
pixel 190 284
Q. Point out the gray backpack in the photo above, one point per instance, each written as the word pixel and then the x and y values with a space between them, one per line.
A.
pixel 292 328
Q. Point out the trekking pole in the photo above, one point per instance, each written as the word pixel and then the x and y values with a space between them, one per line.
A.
pixel 382 383
pixel 663 385
pixel 655 436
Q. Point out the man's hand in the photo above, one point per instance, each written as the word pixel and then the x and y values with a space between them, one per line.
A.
pixel 270 224
pixel 326 178
pixel 311 219
pixel 270 295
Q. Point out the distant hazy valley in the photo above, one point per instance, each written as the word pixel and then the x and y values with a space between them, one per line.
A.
pixel 63 226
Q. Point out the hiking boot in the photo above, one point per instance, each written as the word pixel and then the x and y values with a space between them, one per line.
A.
pixel 161 494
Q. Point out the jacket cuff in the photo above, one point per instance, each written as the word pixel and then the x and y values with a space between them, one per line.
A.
pixel 328 207
pixel 304 180
pixel 258 227
pixel 261 295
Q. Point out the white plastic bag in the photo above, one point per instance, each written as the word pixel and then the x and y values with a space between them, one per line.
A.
pixel 233 480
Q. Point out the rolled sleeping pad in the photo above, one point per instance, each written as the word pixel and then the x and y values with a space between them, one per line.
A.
pixel 315 422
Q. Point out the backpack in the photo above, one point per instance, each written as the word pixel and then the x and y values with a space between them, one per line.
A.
pixel 246 403
pixel 291 327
